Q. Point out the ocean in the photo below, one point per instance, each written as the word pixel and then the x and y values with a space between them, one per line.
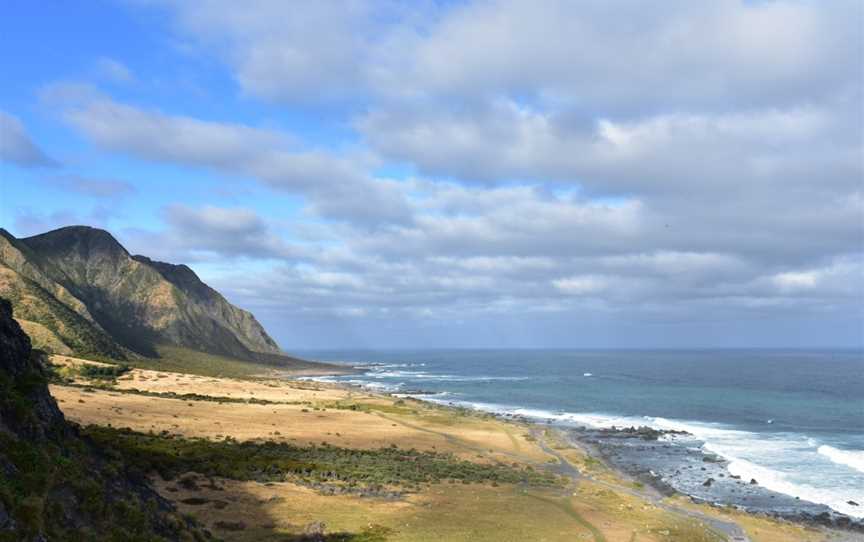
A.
pixel 791 419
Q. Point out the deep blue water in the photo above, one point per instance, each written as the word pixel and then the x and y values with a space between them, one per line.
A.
pixel 793 419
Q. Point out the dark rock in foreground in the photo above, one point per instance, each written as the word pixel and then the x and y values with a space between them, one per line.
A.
pixel 56 485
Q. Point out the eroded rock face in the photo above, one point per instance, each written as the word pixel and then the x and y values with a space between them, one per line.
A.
pixel 55 485
pixel 14 344
pixel 26 409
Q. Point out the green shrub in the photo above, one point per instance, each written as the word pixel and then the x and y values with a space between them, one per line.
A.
pixel 324 466
pixel 103 372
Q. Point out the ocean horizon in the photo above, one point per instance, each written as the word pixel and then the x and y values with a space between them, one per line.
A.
pixel 792 419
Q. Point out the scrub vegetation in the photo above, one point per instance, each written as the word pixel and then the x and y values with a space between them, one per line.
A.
pixel 327 467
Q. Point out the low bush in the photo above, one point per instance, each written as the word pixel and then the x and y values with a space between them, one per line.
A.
pixel 364 471
pixel 103 372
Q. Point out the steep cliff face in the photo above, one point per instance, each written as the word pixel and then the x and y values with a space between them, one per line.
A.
pixel 84 276
pixel 209 314
pixel 19 258
pixel 55 485
pixel 55 319
pixel 26 408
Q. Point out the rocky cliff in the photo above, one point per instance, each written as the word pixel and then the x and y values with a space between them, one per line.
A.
pixel 78 288
pixel 56 485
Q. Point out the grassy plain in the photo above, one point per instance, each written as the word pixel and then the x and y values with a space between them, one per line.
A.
pixel 189 414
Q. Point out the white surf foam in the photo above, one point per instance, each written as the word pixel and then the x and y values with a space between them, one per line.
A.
pixel 399 365
pixel 423 375
pixel 790 465
pixel 853 459
pixel 376 386
pixel 395 374
pixel 785 463
pixel 372 385
pixel 780 482
pixel 779 462
pixel 565 418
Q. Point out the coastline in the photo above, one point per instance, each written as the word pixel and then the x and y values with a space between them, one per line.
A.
pixel 709 473
pixel 305 372
pixel 592 501
pixel 709 470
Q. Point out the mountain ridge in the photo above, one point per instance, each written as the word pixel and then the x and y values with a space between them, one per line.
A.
pixel 81 285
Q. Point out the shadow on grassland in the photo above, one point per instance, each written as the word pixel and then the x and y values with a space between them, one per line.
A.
pixel 233 487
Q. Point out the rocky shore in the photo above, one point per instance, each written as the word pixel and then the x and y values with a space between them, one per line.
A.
pixel 673 462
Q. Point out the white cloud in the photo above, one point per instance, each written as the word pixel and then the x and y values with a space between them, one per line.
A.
pixel 113 70
pixel 637 55
pixel 633 56
pixel 157 136
pixel 842 277
pixel 701 152
pixel 677 161
pixel 210 233
pixel 582 284
pixel 308 51
pixel 17 147
pixel 337 184
pixel 794 280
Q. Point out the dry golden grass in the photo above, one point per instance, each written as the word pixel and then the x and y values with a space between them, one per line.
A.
pixel 442 512
pixel 378 421
pixel 43 338
pixel 61 360
pixel 311 413
pixel 759 528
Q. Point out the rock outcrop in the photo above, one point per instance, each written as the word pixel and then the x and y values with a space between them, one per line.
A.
pixel 56 485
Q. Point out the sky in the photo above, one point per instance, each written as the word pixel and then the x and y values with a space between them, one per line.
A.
pixel 443 174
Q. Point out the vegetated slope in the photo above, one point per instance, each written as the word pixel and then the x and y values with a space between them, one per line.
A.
pixel 56 485
pixel 64 322
pixel 85 288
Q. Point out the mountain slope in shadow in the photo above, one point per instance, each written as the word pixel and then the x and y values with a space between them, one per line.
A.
pixel 78 289
pixel 57 485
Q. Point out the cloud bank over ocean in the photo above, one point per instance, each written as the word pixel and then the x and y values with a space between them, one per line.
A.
pixel 475 173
